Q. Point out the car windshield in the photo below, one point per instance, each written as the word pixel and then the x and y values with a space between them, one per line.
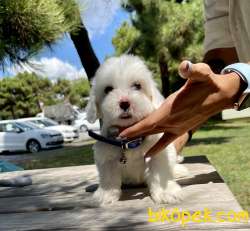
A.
pixel 33 125
pixel 44 122
pixel 24 126
pixel 49 122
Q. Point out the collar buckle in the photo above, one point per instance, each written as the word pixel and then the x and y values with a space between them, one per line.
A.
pixel 131 144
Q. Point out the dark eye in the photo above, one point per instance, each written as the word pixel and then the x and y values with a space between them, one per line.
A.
pixel 108 89
pixel 136 86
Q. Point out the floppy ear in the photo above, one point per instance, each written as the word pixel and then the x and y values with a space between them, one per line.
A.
pixel 157 97
pixel 91 108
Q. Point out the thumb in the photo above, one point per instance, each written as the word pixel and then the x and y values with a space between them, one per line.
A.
pixel 162 143
pixel 199 72
pixel 185 69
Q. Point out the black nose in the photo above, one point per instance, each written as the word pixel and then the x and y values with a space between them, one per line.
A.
pixel 124 105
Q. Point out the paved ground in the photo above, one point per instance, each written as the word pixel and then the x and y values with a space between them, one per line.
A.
pixel 19 157
pixel 62 199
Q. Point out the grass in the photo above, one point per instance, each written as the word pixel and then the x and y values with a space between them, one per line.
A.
pixel 68 156
pixel 226 144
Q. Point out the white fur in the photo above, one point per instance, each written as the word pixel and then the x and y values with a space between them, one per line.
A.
pixel 121 73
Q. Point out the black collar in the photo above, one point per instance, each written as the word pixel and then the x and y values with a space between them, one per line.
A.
pixel 124 144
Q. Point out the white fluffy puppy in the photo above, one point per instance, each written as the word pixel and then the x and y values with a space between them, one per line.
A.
pixel 123 93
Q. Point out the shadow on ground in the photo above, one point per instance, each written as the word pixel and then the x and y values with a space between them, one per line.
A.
pixel 219 127
pixel 209 140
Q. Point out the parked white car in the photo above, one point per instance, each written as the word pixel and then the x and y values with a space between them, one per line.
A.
pixel 18 136
pixel 83 125
pixel 68 132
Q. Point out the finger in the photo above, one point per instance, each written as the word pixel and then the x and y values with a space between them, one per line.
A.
pixel 153 131
pixel 166 139
pixel 149 124
pixel 196 72
pixel 184 69
pixel 137 130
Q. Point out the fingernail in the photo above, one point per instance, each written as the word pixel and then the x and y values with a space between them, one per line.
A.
pixel 185 70
pixel 188 66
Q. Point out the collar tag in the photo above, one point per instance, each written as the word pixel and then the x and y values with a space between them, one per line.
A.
pixel 123 158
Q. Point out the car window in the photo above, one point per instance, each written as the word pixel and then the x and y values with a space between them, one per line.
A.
pixel 49 122
pixel 37 123
pixel 33 125
pixel 11 127
pixel 42 123
pixel 1 127
pixel 24 126
pixel 46 122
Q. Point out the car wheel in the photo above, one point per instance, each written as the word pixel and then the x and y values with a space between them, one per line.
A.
pixel 33 146
pixel 83 128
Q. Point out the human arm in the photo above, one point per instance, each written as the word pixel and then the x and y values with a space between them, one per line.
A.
pixel 203 95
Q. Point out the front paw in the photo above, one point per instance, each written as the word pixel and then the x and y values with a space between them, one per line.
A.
pixel 171 195
pixel 106 197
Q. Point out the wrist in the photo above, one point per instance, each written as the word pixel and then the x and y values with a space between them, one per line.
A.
pixel 233 87
pixel 243 72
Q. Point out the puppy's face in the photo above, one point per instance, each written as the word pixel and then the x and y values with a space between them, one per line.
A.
pixel 124 91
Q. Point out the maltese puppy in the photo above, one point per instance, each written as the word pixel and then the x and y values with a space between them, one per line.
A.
pixel 123 93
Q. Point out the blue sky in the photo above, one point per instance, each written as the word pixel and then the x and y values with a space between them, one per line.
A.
pixel 63 58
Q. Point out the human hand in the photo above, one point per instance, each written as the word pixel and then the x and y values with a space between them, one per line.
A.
pixel 203 95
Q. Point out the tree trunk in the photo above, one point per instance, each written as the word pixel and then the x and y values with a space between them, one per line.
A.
pixel 12 112
pixel 85 51
pixel 164 77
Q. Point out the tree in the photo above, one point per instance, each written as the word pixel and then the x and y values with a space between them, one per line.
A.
pixel 62 89
pixel 21 95
pixel 41 87
pixel 79 92
pixel 27 26
pixel 163 32
pixel 85 50
pixel 16 98
pixel 74 92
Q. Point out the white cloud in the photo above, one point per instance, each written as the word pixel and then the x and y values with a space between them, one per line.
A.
pixel 53 68
pixel 98 14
